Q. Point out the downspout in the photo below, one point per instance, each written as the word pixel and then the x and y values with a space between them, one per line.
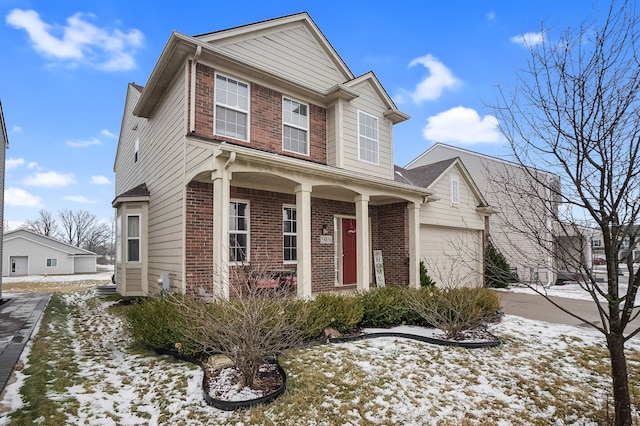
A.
pixel 192 103
pixel 551 242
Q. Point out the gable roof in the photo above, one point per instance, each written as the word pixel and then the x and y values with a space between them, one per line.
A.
pixel 393 113
pixel 215 47
pixel 39 239
pixel 427 176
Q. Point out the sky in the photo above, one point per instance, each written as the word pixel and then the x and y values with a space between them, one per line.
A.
pixel 65 67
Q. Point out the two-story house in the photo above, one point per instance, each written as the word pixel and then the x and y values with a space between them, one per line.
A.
pixel 257 145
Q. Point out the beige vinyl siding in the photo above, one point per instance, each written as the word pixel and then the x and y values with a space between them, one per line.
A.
pixel 126 170
pixel 370 103
pixel 442 213
pixel 453 257
pixel 134 281
pixel 521 252
pixel 163 162
pixel 332 155
pixel 291 52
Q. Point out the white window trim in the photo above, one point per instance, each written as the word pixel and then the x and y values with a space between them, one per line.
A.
pixel 247 232
pixel 455 192
pixel 296 126
pixel 377 162
pixel 289 262
pixel 234 108
pixel 139 238
pixel 50 262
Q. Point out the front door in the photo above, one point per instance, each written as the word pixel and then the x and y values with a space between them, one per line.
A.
pixel 349 263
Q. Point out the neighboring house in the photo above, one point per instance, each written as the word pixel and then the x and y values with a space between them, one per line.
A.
pixel 29 253
pixel 257 146
pixel 628 246
pixel 453 223
pixel 519 214
pixel 4 145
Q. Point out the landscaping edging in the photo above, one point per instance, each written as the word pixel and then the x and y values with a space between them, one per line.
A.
pixel 235 405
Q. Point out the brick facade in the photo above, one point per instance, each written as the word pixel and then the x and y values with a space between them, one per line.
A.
pixel 199 237
pixel 389 230
pixel 265 116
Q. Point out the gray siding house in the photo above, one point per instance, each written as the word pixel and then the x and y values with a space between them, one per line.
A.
pixel 29 253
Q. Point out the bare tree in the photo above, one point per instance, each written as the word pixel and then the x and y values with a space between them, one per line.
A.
pixel 574 112
pixel 82 229
pixel 45 224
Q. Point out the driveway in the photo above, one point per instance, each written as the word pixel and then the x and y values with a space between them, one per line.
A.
pixel 538 308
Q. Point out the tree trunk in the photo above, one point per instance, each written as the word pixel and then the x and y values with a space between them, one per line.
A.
pixel 621 398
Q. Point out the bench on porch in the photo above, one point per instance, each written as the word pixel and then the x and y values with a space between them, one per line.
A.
pixel 277 279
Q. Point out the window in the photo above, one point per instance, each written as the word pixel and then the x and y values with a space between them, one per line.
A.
pixel 238 231
pixel 118 238
pixel 454 192
pixel 295 129
pixel 367 138
pixel 52 263
pixel 133 238
pixel 136 151
pixel 290 240
pixel 232 108
pixel 596 243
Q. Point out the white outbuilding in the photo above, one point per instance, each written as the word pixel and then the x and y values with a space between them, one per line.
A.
pixel 29 253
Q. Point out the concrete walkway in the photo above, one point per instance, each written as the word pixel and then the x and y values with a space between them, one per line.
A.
pixel 538 308
pixel 18 317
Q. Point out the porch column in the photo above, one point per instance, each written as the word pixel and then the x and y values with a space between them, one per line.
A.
pixel 221 193
pixel 303 220
pixel 414 244
pixel 363 249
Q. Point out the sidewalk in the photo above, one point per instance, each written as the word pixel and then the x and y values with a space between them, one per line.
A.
pixel 18 317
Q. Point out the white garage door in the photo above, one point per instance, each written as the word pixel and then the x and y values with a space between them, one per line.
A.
pixel 453 257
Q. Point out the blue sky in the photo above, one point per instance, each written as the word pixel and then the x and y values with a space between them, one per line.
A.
pixel 65 68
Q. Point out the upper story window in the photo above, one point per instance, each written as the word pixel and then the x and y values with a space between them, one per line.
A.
pixel 133 238
pixel 232 108
pixel 295 126
pixel 454 192
pixel 238 231
pixel 136 151
pixel 596 243
pixel 289 229
pixel 367 138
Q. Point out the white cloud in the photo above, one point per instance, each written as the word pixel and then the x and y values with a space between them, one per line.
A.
pixel 100 180
pixel 491 17
pixel 79 41
pixel 50 179
pixel 16 129
pixel 13 163
pixel 462 125
pixel 33 165
pixel 528 39
pixel 20 198
pixel 431 87
pixel 108 134
pixel 84 144
pixel 80 199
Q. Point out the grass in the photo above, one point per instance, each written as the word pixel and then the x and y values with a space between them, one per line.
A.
pixel 84 369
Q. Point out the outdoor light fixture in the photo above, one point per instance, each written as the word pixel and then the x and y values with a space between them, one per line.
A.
pixel 325 231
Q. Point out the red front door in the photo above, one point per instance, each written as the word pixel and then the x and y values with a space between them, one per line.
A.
pixel 349 264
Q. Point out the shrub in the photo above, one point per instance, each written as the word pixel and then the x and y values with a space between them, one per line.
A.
pixel 156 323
pixel 425 279
pixel 457 309
pixel 497 269
pixel 387 306
pixel 343 313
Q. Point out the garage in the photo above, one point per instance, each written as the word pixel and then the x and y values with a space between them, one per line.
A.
pixel 452 256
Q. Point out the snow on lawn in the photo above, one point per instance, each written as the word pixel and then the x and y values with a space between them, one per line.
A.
pixel 542 374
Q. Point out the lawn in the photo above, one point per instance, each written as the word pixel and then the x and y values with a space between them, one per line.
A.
pixel 82 368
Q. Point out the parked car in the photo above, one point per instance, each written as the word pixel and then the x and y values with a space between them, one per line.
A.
pixel 599 261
